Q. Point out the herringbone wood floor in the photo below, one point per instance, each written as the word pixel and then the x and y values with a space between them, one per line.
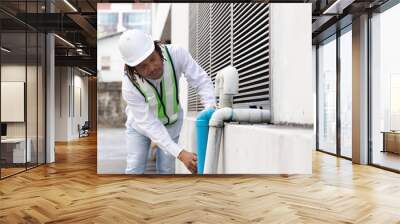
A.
pixel 70 191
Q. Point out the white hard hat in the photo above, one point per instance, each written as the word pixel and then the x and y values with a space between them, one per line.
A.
pixel 135 46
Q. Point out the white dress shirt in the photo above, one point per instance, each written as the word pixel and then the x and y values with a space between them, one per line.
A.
pixel 145 122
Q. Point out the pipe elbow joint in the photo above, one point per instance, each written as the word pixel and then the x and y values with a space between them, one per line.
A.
pixel 220 116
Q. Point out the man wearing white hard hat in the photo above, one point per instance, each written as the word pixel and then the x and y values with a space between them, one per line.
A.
pixel 150 88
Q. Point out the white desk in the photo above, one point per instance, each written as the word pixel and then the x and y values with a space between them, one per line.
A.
pixel 18 149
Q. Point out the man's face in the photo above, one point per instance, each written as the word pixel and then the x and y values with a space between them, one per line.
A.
pixel 152 67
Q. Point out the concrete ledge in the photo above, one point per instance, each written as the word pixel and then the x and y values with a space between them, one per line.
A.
pixel 266 149
pixel 257 149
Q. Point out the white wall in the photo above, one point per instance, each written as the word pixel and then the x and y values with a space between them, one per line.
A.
pixel 109 47
pixel 12 93
pixel 291 63
pixel 80 94
pixel 180 24
pixel 15 72
pixel 68 85
pixel 61 103
pixel 180 36
pixel 159 17
pixel 33 126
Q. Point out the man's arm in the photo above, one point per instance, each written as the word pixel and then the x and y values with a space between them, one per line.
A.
pixel 151 126
pixel 196 77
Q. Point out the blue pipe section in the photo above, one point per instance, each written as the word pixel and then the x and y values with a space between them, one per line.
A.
pixel 202 137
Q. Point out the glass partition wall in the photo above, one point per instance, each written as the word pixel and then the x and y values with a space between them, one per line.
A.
pixel 334 96
pixel 385 89
pixel 22 77
pixel 334 105
pixel 327 95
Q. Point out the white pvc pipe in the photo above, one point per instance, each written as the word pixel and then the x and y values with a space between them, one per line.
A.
pixel 251 115
pixel 225 100
pixel 230 79
pixel 212 156
pixel 216 126
pixel 219 116
pixel 226 86
pixel 218 86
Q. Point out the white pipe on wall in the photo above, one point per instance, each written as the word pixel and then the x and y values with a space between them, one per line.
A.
pixel 231 80
pixel 212 153
pixel 251 115
pixel 226 86
pixel 217 124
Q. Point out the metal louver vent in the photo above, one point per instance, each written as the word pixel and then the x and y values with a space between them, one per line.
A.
pixel 251 53
pixel 193 99
pixel 237 34
pixel 221 49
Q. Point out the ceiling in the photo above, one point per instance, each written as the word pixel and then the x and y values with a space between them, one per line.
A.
pixel 73 21
pixel 332 15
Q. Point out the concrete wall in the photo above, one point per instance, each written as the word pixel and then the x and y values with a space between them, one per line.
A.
pixel 292 86
pixel 267 149
pixel 256 149
pixel 110 105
